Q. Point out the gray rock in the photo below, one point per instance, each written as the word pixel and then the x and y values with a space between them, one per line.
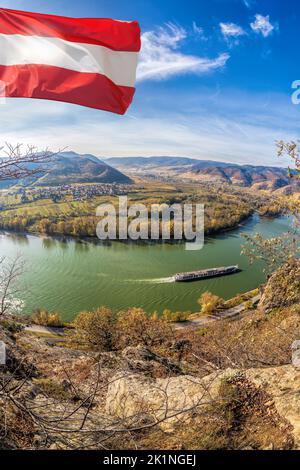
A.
pixel 296 353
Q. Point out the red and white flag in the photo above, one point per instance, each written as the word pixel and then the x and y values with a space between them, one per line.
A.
pixel 86 61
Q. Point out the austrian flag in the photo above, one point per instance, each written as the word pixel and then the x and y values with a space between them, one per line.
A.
pixel 86 61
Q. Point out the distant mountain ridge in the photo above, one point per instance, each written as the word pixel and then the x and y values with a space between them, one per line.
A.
pixel 189 169
pixel 163 160
pixel 71 168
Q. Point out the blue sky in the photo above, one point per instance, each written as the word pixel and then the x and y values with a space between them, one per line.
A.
pixel 214 81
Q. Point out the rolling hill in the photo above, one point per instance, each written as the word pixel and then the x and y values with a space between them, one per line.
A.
pixel 187 169
pixel 70 168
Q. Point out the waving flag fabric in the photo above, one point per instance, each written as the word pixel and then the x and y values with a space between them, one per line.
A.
pixel 90 62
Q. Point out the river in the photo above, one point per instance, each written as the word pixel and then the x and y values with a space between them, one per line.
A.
pixel 71 276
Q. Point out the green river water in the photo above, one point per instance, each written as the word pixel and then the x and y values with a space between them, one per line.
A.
pixel 69 276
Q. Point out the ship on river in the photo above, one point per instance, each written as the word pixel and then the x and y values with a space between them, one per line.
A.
pixel 206 273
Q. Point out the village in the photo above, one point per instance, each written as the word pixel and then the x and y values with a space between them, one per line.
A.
pixel 78 192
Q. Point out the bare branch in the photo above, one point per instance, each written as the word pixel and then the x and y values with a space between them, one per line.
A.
pixel 19 163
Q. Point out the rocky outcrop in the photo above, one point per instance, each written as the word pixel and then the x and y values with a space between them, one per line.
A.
pixel 283 386
pixel 161 400
pixel 179 399
pixel 165 401
pixel 283 288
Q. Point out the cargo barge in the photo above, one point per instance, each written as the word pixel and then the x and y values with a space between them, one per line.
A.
pixel 206 273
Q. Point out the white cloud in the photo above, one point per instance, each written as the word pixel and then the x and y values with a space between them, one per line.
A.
pixel 231 30
pixel 262 25
pixel 160 56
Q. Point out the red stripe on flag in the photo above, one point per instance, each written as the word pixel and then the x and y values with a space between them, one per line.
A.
pixel 55 83
pixel 116 35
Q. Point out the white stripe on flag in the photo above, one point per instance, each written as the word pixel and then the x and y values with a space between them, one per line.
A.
pixel 120 67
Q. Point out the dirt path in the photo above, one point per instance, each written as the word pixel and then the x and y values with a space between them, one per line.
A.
pixel 229 313
pixel 45 329
pixel 51 334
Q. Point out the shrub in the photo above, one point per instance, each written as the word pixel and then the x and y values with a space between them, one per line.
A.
pixel 209 303
pixel 98 328
pixel 45 318
pixel 106 330
pixel 179 316
pixel 135 327
pixel 11 326
pixel 248 305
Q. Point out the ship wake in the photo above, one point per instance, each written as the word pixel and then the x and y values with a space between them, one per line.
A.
pixel 159 280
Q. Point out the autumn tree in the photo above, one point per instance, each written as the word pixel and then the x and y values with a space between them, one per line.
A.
pixel 277 251
pixel 10 272
pixel 291 150
pixel 97 328
pixel 274 252
pixel 210 303
pixel 136 327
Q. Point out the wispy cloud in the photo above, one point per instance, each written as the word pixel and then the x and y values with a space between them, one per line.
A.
pixel 231 30
pixel 198 30
pixel 209 126
pixel 262 25
pixel 161 57
pixel 248 3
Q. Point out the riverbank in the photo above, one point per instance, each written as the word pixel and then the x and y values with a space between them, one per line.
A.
pixel 55 335
pixel 95 240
